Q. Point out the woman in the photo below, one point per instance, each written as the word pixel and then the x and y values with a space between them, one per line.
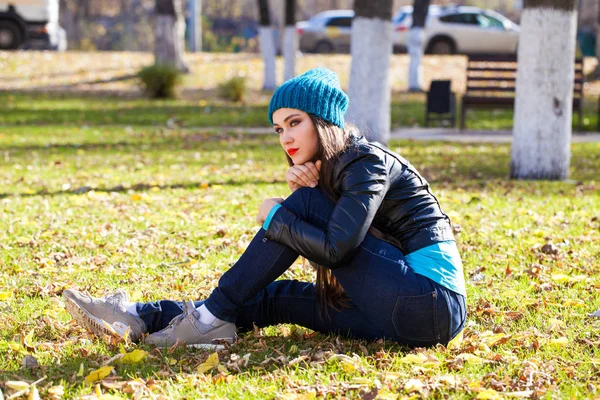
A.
pixel 387 264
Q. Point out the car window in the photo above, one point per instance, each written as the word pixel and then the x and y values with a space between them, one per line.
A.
pixel 485 21
pixel 470 19
pixel 345 22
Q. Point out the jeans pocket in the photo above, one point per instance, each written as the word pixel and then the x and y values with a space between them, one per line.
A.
pixel 415 318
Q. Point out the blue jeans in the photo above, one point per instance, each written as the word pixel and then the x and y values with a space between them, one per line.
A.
pixel 387 298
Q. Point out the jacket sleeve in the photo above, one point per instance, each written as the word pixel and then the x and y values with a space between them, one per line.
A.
pixel 363 185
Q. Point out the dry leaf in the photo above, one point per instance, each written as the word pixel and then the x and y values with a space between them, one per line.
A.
pixel 489 394
pixel 17 385
pixel 211 362
pixel 413 385
pixel 135 356
pixel 98 374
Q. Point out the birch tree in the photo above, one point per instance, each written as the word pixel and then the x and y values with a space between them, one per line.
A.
pixel 170 34
pixel 414 43
pixel 267 45
pixel 290 42
pixel 371 49
pixel 541 146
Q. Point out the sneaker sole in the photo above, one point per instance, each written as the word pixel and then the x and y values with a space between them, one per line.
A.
pixel 97 326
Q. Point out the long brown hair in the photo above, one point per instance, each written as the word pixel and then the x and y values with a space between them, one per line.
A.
pixel 333 140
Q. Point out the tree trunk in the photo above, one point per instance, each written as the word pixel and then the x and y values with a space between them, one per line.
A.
pixel 544 91
pixel 289 40
pixel 371 49
pixel 170 34
pixel 267 45
pixel 414 44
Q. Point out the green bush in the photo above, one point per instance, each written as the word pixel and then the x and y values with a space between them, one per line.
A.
pixel 160 81
pixel 233 89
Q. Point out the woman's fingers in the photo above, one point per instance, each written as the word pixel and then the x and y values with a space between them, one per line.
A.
pixel 310 172
pixel 298 176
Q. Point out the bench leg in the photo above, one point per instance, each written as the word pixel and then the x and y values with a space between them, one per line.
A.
pixel 462 117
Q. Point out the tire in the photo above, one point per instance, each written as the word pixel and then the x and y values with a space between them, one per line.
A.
pixel 323 46
pixel 11 36
pixel 441 46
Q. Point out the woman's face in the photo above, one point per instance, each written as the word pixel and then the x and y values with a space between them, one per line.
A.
pixel 297 134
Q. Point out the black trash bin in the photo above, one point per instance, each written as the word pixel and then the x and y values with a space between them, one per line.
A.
pixel 441 101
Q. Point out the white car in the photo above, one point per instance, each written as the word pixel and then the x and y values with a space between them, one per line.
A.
pixel 465 30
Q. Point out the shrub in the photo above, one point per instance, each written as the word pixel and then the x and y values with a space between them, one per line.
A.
pixel 160 81
pixel 233 89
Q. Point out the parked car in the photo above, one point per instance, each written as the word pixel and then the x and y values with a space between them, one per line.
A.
pixel 465 30
pixel 448 30
pixel 326 32
pixel 31 24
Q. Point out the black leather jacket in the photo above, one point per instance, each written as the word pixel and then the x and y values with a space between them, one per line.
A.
pixel 376 186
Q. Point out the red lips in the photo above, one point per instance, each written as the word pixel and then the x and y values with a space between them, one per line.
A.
pixel 291 152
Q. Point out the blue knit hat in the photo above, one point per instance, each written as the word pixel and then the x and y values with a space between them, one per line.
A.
pixel 316 92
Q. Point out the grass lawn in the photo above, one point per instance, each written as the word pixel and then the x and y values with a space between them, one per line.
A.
pixel 100 194
pixel 408 110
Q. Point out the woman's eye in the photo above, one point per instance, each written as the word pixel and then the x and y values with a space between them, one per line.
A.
pixel 278 130
pixel 294 122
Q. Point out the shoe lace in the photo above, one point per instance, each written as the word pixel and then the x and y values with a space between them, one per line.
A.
pixel 177 319
pixel 118 297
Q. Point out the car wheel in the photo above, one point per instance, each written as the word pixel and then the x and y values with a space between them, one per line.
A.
pixel 324 47
pixel 441 46
pixel 11 36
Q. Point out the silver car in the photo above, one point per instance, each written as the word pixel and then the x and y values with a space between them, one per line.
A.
pixel 326 32
pixel 465 30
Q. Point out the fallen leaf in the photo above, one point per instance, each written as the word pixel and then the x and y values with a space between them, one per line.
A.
pixel 418 358
pixel 211 362
pixel 561 341
pixel 98 374
pixel 489 394
pixel 135 356
pixel 6 295
pixel 17 385
pixel 34 393
pixel 413 385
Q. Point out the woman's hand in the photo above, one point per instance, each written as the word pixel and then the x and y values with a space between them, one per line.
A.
pixel 265 208
pixel 303 175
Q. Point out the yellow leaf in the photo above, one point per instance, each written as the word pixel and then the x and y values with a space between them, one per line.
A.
pixel 561 341
pixel 6 295
pixel 81 370
pixel 135 356
pixel 17 385
pixel 136 197
pixel 98 374
pixel 204 186
pixel 488 394
pixel 34 393
pixel 470 358
pixel 418 358
pixel 211 362
pixel 16 347
pixel 57 391
pixel 413 385
pixel 574 303
pixel 493 339
pixel 457 341
pixel 348 366
pixel 561 278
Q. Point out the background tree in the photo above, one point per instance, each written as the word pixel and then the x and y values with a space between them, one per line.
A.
pixel 267 44
pixel 544 93
pixel 290 44
pixel 371 49
pixel 170 34
pixel 414 43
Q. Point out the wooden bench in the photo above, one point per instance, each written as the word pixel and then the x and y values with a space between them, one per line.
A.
pixel 491 84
